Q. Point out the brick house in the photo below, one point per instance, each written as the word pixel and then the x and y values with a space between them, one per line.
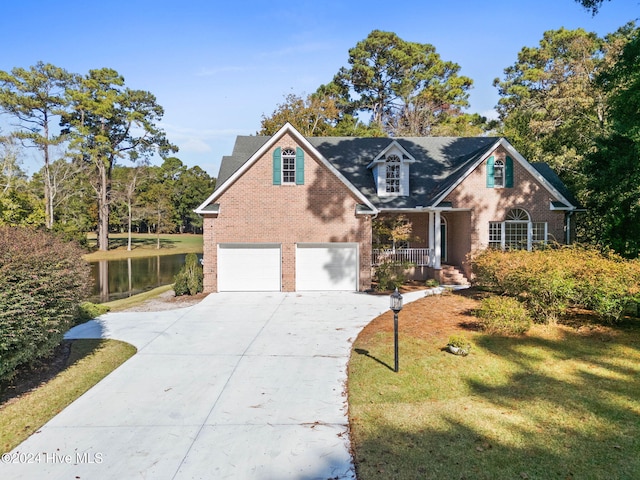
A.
pixel 291 213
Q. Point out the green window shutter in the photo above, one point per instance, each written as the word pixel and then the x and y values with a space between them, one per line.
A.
pixel 490 162
pixel 277 166
pixel 299 166
pixel 509 173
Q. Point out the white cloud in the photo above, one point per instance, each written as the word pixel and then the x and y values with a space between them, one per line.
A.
pixel 194 145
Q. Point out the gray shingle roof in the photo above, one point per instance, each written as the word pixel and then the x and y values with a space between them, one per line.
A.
pixel 439 163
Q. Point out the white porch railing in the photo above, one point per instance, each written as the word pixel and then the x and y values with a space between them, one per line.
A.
pixel 420 257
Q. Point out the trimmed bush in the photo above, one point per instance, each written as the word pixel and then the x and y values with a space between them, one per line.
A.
pixel 190 278
pixel 503 316
pixel 42 281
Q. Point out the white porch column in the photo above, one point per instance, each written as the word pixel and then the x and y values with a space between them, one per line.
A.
pixel 430 235
pixel 437 240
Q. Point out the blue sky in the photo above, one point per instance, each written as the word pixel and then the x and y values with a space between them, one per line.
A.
pixel 217 67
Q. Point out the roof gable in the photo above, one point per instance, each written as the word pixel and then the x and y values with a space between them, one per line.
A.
pixel 249 150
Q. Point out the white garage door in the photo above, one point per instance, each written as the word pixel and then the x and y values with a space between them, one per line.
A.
pixel 327 266
pixel 249 267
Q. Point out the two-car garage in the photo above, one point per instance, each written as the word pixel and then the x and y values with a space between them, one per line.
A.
pixel 258 267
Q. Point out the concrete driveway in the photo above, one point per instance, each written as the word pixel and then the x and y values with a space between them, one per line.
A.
pixel 241 386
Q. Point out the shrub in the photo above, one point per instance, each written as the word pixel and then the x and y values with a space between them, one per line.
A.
pixel 552 280
pixel 189 280
pixel 391 274
pixel 42 280
pixel 88 311
pixel 503 316
pixel 460 345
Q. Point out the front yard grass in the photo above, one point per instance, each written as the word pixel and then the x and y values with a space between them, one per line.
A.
pixel 559 402
pixel 87 362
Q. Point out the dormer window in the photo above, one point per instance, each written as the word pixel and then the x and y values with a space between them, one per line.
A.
pixel 390 170
pixel 393 174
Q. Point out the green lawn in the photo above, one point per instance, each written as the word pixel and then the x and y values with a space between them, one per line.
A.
pixel 144 245
pixel 558 403
pixel 89 362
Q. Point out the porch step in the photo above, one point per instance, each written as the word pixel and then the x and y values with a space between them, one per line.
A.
pixel 450 275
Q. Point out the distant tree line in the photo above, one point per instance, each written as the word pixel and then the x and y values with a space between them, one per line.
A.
pixel 94 138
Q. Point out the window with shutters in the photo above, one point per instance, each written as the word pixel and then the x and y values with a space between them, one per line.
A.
pixel 288 166
pixel 499 173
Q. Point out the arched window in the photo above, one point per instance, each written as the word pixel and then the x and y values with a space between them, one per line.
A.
pixel 393 174
pixel 288 165
pixel 517 231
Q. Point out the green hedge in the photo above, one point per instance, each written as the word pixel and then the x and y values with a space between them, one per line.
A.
pixel 552 280
pixel 42 281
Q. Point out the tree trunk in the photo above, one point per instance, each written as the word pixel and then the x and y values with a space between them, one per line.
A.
pixel 129 240
pixel 104 190
pixel 158 231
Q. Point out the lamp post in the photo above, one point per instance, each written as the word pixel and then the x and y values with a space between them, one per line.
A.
pixel 395 305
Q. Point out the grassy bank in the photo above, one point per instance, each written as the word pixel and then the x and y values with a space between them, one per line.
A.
pixel 145 245
pixel 135 300
pixel 559 402
pixel 88 362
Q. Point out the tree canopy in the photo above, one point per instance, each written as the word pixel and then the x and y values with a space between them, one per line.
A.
pixel 84 127
pixel 404 88
pixel 34 97
pixel 550 105
pixel 107 121
pixel 612 169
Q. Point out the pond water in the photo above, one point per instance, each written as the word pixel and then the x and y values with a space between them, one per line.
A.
pixel 115 279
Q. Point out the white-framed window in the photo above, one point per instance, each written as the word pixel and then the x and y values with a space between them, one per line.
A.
pixel 517 232
pixel 393 174
pixel 498 173
pixel 288 165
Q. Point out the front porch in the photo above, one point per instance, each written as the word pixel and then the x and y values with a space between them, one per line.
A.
pixel 422 263
pixel 436 243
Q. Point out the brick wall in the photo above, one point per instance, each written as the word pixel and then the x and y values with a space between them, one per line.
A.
pixel 253 210
pixel 493 204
